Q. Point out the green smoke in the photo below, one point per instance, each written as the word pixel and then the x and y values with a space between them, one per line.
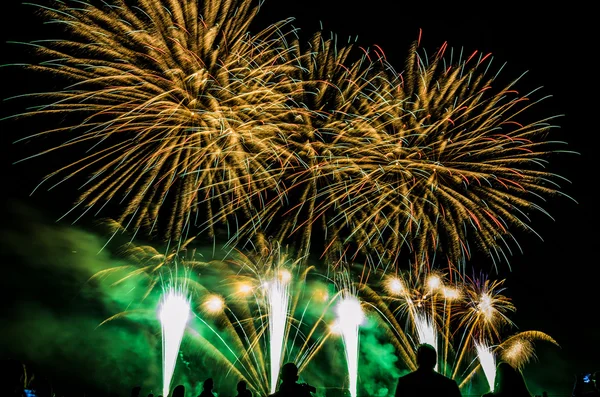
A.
pixel 54 322
pixel 378 367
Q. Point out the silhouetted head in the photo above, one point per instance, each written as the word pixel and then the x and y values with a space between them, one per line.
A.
pixel 289 373
pixel 426 356
pixel 178 391
pixel 208 384
pixel 241 386
pixel 510 381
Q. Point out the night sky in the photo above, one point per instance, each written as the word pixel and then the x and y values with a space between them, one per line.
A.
pixel 553 283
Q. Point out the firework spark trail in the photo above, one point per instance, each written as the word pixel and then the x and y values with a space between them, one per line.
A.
pixel 487 360
pixel 330 92
pixel 278 310
pixel 190 121
pixel 466 310
pixel 237 335
pixel 350 316
pixel 471 309
pixel 484 311
pixel 180 108
pixel 518 349
pixel 486 308
pixel 452 296
pixel 174 313
pixel 450 164
pixel 265 284
pixel 399 338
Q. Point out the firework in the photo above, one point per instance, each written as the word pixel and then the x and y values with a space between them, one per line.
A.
pixel 178 106
pixel 234 315
pixel 464 319
pixel 450 163
pixel 349 317
pixel 189 121
pixel 278 307
pixel 426 330
pixel 482 315
pixel 272 313
pixel 174 313
pixel 326 105
pixel 486 308
pixel 518 349
pixel 214 304
pixel 487 360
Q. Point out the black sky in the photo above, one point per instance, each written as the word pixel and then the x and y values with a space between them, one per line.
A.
pixel 554 283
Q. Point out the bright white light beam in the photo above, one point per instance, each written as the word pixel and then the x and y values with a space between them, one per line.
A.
pixel 426 330
pixel 278 306
pixel 487 360
pixel 349 317
pixel 174 313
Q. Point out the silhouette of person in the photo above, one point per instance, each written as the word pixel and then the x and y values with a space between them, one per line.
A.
pixel 509 382
pixel 242 390
pixel 579 389
pixel 207 387
pixel 425 381
pixel 135 392
pixel 178 391
pixel 289 386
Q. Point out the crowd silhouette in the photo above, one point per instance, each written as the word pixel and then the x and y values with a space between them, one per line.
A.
pixel 425 381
